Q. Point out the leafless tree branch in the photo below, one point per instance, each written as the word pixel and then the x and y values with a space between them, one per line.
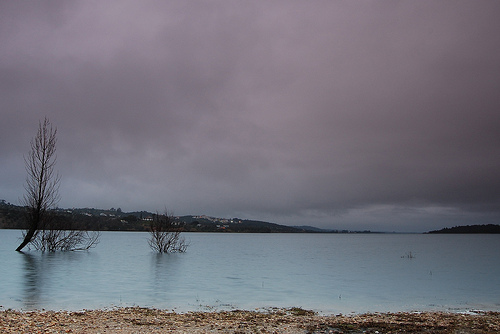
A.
pixel 165 237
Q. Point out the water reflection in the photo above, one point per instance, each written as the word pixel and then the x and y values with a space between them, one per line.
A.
pixel 164 264
pixel 44 275
pixel 32 281
pixel 164 272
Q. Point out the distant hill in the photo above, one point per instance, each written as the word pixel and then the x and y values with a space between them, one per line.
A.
pixel 212 224
pixel 12 217
pixel 490 228
pixel 307 228
pixel 312 229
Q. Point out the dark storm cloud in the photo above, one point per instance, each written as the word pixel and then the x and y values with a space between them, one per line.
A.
pixel 341 114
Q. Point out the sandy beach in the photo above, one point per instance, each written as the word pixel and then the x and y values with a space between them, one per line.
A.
pixel 293 321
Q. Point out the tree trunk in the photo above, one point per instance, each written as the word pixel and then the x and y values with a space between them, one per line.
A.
pixel 27 239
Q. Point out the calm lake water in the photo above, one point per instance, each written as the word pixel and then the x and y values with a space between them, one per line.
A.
pixel 329 273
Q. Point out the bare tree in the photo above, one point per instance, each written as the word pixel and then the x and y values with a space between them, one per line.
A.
pixel 53 239
pixel 165 237
pixel 42 185
pixel 42 194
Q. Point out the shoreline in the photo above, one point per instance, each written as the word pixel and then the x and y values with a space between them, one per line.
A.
pixel 292 321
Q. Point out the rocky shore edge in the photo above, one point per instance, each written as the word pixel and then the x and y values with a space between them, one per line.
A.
pixel 293 321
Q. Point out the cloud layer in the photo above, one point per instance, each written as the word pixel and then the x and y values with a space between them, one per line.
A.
pixel 336 114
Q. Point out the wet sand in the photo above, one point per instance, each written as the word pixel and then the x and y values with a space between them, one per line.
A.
pixel 293 321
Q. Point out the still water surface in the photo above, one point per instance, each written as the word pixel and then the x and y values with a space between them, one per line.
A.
pixel 330 273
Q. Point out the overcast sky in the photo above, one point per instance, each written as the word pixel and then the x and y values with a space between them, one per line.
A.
pixel 380 115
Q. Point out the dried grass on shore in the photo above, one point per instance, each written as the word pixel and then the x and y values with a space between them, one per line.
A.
pixel 292 321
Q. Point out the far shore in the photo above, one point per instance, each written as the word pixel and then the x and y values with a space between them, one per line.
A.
pixel 293 321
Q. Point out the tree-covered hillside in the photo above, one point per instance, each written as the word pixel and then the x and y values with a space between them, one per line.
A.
pixel 489 228
pixel 12 217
